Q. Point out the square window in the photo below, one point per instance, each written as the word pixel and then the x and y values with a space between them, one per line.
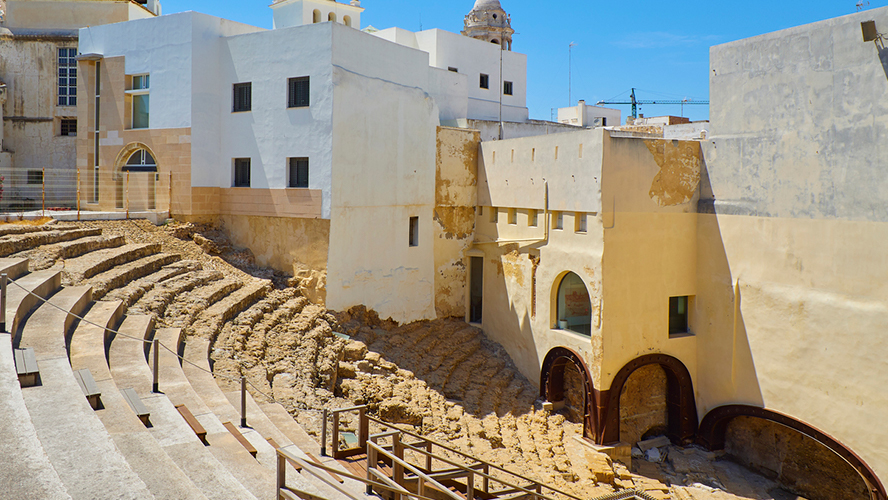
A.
pixel 242 98
pixel 513 216
pixel 35 177
pixel 507 88
pixel 241 172
pixel 558 220
pixel 580 222
pixel 299 92
pixel 414 231
pixel 298 173
pixel 140 82
pixel 485 81
pixel 533 218
pixel 69 127
pixel 678 315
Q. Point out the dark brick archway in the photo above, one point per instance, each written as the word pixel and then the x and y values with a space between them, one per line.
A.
pixel 715 424
pixel 680 403
pixel 552 385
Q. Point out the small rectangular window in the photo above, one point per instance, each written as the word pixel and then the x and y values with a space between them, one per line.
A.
pixel 298 173
pixel 69 127
pixel 485 81
pixel 241 172
pixel 35 177
pixel 140 111
pixel 494 215
pixel 556 152
pixel 242 98
pixel 140 82
pixel 581 150
pixel 67 77
pixel 533 218
pixel 414 231
pixel 299 92
pixel 580 222
pixel 558 220
pixel 678 315
pixel 507 88
pixel 513 216
pixel 454 70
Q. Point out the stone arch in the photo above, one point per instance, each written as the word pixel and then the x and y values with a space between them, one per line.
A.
pixel 316 16
pixel 124 154
pixel 571 304
pixel 715 425
pixel 680 403
pixel 140 191
pixel 331 17
pixel 347 20
pixel 552 385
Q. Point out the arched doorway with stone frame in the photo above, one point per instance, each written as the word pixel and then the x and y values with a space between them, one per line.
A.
pixel 135 177
pixel 565 382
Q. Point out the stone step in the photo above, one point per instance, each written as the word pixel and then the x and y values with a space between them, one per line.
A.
pixel 46 256
pixel 128 365
pixel 88 265
pixel 9 229
pixel 14 267
pixel 210 321
pixel 157 300
pixel 20 242
pixel 256 478
pixel 25 469
pixel 132 292
pixel 84 455
pixel 116 277
pixel 19 302
pixel 144 454
pixel 182 312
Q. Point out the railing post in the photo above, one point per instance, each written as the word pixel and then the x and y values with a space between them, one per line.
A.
pixel 397 468
pixel 281 475
pixel 324 433
pixel 485 483
pixel 372 460
pixel 155 387
pixel 470 486
pixel 78 194
pixel 363 428
pixel 3 279
pixel 243 401
pixel 334 439
pixel 429 456
pixel 43 188
pixel 126 195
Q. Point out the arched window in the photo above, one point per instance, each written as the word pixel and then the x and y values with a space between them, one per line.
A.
pixel 316 16
pixel 140 161
pixel 347 20
pixel 332 17
pixel 495 41
pixel 574 309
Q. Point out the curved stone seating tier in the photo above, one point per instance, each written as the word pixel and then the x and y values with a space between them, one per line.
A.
pixel 147 458
pixel 88 265
pixel 127 360
pixel 223 444
pixel 75 440
pixel 118 276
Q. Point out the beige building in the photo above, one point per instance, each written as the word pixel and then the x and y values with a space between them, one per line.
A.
pixel 38 66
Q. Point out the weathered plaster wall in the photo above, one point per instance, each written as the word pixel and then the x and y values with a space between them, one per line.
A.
pixel 70 14
pixel 643 404
pixel 456 194
pixel 384 140
pixel 792 276
pixel 649 202
pixel 801 464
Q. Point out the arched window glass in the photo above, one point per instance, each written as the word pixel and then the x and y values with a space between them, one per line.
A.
pixel 140 161
pixel 316 16
pixel 574 309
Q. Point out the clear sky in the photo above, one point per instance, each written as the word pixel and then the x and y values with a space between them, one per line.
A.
pixel 660 48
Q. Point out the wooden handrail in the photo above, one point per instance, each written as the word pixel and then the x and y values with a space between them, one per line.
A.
pixel 373 447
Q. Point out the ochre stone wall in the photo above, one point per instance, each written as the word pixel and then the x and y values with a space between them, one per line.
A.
pixel 800 463
pixel 574 394
pixel 643 404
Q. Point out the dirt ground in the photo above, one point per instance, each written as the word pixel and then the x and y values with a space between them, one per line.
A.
pixel 443 379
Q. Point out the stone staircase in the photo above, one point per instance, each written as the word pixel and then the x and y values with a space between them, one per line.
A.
pixel 57 446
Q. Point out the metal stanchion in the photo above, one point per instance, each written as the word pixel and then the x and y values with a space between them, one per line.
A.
pixel 324 434
pixel 156 385
pixel 243 401
pixel 3 303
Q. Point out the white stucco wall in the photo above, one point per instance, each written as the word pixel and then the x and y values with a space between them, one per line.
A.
pixel 290 13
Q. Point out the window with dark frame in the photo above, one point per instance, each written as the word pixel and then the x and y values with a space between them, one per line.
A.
pixel 414 232
pixel 35 176
pixel 678 315
pixel 67 77
pixel 485 81
pixel 69 127
pixel 298 173
pixel 507 88
pixel 299 92
pixel 242 99
pixel 241 172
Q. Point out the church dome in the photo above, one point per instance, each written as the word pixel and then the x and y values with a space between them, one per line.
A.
pixel 488 21
pixel 487 4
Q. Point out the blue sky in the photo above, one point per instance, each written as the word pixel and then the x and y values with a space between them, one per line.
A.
pixel 660 48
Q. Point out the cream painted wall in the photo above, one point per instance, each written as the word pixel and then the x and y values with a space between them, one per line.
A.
pixel 290 13
pixel 70 14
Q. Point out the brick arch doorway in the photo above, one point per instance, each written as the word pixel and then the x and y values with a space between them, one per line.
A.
pixel 680 403
pixel 552 385
pixel 135 177
pixel 714 427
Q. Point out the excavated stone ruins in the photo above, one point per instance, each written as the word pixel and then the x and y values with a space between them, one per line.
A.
pixel 443 378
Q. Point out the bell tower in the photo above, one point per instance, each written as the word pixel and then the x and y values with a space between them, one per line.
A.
pixel 490 23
